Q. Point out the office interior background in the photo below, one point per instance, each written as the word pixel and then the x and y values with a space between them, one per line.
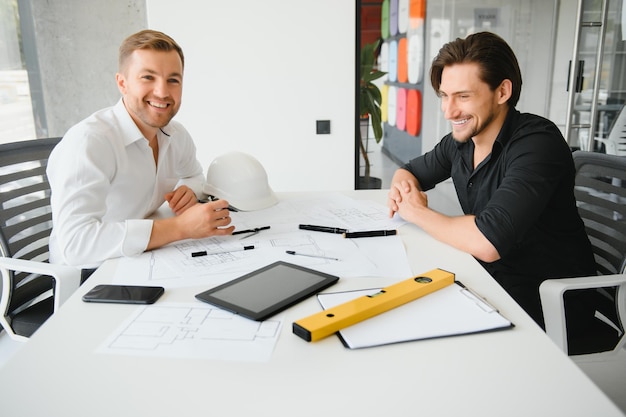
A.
pixel 259 74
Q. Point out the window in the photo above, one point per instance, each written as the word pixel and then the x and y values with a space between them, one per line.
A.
pixel 16 109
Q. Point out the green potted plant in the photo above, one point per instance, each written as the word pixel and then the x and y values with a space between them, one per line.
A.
pixel 369 105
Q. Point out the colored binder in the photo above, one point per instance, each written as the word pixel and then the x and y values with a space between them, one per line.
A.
pixel 327 322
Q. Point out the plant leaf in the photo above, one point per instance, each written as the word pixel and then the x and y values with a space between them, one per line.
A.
pixel 370 96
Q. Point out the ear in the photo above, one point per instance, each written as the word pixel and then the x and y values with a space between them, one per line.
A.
pixel 121 83
pixel 504 91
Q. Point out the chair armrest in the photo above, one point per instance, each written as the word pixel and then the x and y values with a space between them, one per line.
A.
pixel 66 278
pixel 551 294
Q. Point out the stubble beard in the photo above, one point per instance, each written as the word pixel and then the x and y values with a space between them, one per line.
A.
pixel 476 131
pixel 147 118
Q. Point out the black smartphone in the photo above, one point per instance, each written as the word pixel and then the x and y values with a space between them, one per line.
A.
pixel 124 294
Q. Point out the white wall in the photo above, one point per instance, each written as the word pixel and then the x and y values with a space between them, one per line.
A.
pixel 258 74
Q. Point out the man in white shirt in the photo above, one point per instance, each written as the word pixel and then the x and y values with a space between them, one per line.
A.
pixel 115 168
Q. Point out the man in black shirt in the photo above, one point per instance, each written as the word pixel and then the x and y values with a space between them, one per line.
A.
pixel 513 174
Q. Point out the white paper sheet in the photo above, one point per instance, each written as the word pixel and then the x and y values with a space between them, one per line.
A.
pixel 452 310
pixel 173 265
pixel 193 330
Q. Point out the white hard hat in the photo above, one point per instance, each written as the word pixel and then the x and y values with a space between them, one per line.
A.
pixel 241 180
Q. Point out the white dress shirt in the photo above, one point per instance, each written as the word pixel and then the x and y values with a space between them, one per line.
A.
pixel 105 184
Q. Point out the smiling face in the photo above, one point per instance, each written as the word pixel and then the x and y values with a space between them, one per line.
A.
pixel 473 109
pixel 151 84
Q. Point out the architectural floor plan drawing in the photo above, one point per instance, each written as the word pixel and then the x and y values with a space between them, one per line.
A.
pixel 193 330
pixel 176 266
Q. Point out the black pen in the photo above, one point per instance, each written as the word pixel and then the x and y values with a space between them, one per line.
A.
pixel 255 230
pixel 370 233
pixel 205 253
pixel 211 198
pixel 325 229
pixel 208 199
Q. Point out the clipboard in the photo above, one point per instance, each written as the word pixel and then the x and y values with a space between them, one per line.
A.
pixel 450 311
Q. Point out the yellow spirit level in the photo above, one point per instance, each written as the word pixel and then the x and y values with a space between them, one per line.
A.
pixel 327 322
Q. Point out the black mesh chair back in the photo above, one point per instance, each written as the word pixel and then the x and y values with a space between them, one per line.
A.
pixel 600 192
pixel 25 225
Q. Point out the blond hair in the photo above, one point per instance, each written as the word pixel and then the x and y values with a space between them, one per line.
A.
pixel 148 39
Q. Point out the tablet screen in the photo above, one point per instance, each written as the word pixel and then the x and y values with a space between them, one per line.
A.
pixel 269 290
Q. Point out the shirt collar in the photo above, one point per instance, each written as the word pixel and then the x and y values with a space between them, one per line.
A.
pixel 130 130
pixel 505 132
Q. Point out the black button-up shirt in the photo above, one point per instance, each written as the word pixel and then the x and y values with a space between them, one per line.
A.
pixel 522 195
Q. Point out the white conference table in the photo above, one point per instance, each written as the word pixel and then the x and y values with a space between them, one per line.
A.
pixel 515 372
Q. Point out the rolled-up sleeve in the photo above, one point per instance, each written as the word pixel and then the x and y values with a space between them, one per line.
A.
pixel 434 166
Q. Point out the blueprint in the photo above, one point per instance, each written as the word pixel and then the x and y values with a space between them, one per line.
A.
pixel 174 265
pixel 193 330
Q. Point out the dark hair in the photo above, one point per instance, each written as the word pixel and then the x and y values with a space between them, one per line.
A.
pixel 148 39
pixel 493 55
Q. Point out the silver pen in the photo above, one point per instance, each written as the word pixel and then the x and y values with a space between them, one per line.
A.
pixel 293 252
pixel 479 298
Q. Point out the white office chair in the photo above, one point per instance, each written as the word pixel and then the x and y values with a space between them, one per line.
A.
pixel 615 142
pixel 32 289
pixel 601 198
pixel 552 293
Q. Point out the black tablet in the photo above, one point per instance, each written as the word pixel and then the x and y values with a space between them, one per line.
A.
pixel 269 290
